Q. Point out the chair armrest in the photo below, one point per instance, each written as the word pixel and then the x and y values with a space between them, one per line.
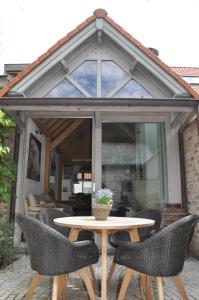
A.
pixel 34 208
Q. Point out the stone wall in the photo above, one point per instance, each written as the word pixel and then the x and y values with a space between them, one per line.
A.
pixel 191 150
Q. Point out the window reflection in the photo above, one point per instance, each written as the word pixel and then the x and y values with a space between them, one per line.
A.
pixel 65 89
pixel 86 76
pixel 134 90
pixel 112 75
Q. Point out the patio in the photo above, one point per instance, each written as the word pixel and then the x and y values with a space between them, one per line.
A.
pixel 15 278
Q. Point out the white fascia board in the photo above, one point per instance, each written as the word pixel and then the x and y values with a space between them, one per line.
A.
pixel 143 59
pixel 55 58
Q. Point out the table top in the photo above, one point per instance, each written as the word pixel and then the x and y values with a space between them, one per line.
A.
pixel 89 222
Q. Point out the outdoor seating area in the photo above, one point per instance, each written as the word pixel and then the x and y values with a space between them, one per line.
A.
pixel 99 160
pixel 160 253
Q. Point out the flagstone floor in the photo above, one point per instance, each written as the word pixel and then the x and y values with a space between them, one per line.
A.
pixel 14 281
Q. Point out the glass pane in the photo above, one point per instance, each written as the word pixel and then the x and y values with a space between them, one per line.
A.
pixel 65 89
pixel 86 76
pixel 112 75
pixel 132 165
pixel 132 89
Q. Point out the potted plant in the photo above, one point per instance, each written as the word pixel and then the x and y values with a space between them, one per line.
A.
pixel 102 204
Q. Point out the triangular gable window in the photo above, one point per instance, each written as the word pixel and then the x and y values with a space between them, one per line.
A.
pixel 65 89
pixel 102 78
pixel 132 89
pixel 86 76
pixel 112 75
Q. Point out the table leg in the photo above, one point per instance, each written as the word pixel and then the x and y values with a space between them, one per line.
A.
pixel 134 235
pixel 104 265
pixel 73 235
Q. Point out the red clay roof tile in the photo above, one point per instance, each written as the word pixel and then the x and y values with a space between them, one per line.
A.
pixel 186 71
pixel 100 13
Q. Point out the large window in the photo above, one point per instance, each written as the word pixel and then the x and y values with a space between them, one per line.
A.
pixel 133 165
pixel 102 78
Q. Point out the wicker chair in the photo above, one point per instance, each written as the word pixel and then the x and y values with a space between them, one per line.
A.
pixel 47 216
pixel 120 237
pixel 160 256
pixel 51 254
pixel 123 236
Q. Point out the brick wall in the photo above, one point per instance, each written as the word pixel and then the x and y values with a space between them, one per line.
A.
pixel 191 150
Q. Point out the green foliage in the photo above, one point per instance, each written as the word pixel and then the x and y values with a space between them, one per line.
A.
pixel 104 200
pixel 7 165
pixel 6 246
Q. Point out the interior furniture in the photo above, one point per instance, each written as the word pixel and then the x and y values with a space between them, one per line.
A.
pixel 104 228
pixel 119 237
pixel 162 255
pixel 34 203
pixel 51 254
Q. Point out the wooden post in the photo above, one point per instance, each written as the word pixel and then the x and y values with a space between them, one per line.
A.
pixel 59 179
pixel 47 165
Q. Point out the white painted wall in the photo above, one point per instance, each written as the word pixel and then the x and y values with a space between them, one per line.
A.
pixel 24 184
pixel 29 185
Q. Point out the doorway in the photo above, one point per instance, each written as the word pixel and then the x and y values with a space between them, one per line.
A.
pixel 68 162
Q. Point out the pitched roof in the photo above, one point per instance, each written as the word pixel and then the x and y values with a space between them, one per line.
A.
pixel 98 13
pixel 186 71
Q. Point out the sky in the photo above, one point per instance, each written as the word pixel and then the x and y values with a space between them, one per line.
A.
pixel 29 27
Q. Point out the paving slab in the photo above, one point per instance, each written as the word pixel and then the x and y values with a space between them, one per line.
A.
pixel 15 278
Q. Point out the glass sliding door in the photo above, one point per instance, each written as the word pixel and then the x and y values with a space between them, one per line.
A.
pixel 133 165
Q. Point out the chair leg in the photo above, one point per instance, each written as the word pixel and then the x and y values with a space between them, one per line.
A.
pixel 33 285
pixel 145 286
pixel 63 287
pixel 84 273
pixel 125 283
pixel 56 288
pixel 113 265
pixel 91 270
pixel 160 288
pixel 180 287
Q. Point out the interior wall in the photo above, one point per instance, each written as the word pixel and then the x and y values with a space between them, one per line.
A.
pixel 33 186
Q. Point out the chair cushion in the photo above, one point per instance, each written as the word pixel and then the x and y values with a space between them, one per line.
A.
pixel 32 200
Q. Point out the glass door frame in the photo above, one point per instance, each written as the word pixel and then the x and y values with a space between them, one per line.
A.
pixel 171 182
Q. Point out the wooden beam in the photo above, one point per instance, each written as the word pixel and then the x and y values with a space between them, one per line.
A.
pixel 42 127
pixel 126 130
pixel 59 165
pixel 75 124
pixel 179 119
pixel 47 166
pixel 59 129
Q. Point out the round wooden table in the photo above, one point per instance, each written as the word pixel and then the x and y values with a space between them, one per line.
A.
pixel 104 228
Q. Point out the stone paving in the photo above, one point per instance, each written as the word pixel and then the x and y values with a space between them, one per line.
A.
pixel 14 281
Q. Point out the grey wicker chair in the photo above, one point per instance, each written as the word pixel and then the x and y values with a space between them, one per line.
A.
pixel 123 236
pixel 160 256
pixel 51 254
pixel 47 216
pixel 120 237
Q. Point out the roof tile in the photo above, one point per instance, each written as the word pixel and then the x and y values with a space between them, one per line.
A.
pixel 100 13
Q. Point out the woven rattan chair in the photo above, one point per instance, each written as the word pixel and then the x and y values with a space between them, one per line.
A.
pixel 160 256
pixel 120 237
pixel 47 216
pixel 51 254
